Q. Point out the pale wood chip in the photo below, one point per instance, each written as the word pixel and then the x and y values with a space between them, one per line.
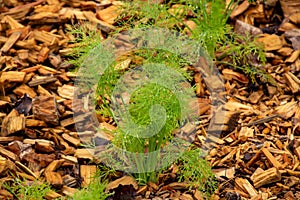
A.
pixel 12 125
pixel 266 177
pixel 287 110
pixel 24 89
pixel 125 181
pixel 87 173
pixel 246 186
pixel 271 42
pixel 240 9
pixel 68 191
pixel 54 179
pixel 13 38
pixel 66 91
pixel 12 76
pixel 85 154
pixel 109 14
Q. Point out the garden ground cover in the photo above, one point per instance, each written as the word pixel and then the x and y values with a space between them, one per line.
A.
pixel 256 156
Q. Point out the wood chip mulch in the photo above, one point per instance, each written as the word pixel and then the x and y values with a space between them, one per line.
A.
pixel 256 158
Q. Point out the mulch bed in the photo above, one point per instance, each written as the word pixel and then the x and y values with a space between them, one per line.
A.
pixel 256 158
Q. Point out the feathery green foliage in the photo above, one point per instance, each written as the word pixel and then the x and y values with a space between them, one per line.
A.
pixel 211 22
pixel 141 102
pixel 85 39
pixel 210 17
pixel 246 55
pixel 95 190
pixel 27 190
pixel 194 170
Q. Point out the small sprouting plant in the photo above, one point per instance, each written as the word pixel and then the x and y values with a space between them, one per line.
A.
pixel 96 189
pixel 196 171
pixel 211 22
pixel 243 53
pixel 84 38
pixel 210 17
pixel 138 116
pixel 28 190
pixel 140 14
pixel 212 30
pixel 142 101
